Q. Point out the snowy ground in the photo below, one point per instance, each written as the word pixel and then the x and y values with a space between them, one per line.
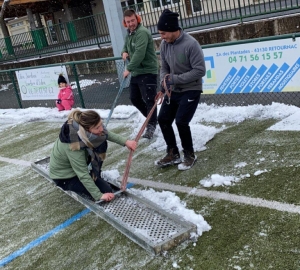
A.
pixel 27 135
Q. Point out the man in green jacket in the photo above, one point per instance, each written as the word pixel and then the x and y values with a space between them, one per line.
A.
pixel 143 67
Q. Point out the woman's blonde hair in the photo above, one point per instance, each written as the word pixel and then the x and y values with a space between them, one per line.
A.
pixel 86 119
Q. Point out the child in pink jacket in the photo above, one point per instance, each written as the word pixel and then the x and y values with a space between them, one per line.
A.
pixel 65 99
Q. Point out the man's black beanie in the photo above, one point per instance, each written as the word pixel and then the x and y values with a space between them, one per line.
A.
pixel 168 21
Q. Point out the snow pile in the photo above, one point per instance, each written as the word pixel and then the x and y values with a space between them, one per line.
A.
pixel 171 203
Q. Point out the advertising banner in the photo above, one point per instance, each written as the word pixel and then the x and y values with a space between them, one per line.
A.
pixel 40 83
pixel 261 67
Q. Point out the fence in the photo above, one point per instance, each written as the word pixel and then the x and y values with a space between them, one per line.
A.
pixel 96 83
pixel 93 30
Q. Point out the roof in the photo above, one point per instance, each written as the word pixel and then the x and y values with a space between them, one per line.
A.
pixel 20 2
pixel 17 8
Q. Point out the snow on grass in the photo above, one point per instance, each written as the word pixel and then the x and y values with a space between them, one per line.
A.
pixel 260 172
pixel 240 165
pixel 218 180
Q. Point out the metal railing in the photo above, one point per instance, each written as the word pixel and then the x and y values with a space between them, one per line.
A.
pixel 57 38
pixel 96 83
pixel 93 30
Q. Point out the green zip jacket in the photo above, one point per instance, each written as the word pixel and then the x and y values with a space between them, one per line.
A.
pixel 65 163
pixel 140 47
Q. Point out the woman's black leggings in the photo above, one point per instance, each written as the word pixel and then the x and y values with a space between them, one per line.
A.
pixel 74 184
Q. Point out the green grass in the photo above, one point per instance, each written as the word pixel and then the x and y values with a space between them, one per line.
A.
pixel 242 236
pixel 245 236
pixel 27 138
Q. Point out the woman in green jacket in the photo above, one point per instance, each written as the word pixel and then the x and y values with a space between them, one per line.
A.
pixel 83 140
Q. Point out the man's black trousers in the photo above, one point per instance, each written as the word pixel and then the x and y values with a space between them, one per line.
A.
pixel 182 108
pixel 142 94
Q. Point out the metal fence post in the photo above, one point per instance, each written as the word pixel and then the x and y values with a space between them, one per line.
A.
pixel 72 31
pixel 181 20
pixel 15 88
pixel 78 85
pixel 62 34
pixel 94 22
pixel 240 10
pixel 9 46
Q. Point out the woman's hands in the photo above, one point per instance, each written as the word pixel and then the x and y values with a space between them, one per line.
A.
pixel 107 197
pixel 131 145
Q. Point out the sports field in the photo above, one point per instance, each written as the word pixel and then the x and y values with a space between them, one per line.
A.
pixel 245 185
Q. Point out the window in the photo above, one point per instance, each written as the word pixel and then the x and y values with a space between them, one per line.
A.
pixel 137 5
pixel 161 3
pixel 16 24
pixel 196 5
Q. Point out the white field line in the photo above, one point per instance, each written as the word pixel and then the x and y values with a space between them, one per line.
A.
pixel 16 161
pixel 291 208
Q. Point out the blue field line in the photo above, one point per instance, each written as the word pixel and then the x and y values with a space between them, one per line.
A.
pixel 47 235
pixel 129 185
pixel 42 238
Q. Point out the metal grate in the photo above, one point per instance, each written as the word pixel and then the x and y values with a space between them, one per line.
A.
pixel 143 220
pixel 139 219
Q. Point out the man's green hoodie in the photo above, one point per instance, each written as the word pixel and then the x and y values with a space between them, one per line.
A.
pixel 140 47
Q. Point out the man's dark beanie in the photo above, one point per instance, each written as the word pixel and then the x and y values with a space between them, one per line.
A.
pixel 61 79
pixel 168 21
